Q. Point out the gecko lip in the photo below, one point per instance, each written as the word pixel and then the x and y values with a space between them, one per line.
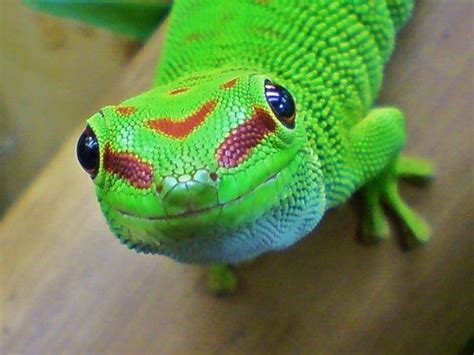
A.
pixel 177 216
pixel 190 213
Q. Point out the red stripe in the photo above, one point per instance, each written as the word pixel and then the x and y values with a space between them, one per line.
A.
pixel 126 110
pixel 181 129
pixel 129 167
pixel 237 146
pixel 229 84
pixel 178 91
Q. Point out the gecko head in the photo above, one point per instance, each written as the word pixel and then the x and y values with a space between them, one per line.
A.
pixel 188 167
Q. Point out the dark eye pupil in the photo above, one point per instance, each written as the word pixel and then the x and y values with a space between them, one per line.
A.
pixel 87 150
pixel 281 102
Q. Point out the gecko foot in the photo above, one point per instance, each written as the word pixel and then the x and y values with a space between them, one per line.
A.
pixel 384 190
pixel 221 279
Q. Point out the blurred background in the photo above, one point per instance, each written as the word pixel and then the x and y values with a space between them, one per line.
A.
pixel 52 73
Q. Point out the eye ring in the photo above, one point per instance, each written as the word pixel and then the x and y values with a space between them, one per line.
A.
pixel 281 103
pixel 87 150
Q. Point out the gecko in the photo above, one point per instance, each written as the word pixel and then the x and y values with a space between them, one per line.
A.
pixel 261 118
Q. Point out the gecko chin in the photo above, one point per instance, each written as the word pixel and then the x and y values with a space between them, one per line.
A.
pixel 202 235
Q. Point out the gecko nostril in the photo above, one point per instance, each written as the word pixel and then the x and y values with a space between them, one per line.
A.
pixel 213 176
pixel 165 185
pixel 159 188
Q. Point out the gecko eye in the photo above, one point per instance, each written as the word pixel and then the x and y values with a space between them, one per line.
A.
pixel 87 150
pixel 281 102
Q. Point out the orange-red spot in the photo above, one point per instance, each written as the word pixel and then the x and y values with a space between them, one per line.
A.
pixel 178 91
pixel 238 144
pixel 126 110
pixel 181 129
pixel 129 167
pixel 229 84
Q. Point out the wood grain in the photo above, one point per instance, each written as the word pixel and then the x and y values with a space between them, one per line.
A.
pixel 52 72
pixel 67 286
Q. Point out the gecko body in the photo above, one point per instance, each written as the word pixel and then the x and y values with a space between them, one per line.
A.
pixel 260 120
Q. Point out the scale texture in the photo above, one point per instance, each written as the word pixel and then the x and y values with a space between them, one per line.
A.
pixel 206 168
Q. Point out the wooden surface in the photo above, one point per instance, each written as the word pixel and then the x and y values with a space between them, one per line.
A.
pixel 45 91
pixel 67 286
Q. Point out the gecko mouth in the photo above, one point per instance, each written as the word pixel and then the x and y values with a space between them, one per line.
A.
pixel 176 216
pixel 198 212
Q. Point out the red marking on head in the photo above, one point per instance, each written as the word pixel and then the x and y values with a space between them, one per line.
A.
pixel 229 84
pixel 126 110
pixel 128 167
pixel 238 144
pixel 178 91
pixel 183 128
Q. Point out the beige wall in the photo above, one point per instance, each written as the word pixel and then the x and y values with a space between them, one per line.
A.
pixel 52 72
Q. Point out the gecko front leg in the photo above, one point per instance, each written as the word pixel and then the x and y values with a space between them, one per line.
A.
pixel 221 279
pixel 377 141
pixel 383 189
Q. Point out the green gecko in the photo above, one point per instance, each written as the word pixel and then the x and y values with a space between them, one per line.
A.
pixel 260 120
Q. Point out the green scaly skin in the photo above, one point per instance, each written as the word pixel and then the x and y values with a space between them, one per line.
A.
pixel 330 55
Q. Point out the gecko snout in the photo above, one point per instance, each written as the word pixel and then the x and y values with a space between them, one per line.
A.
pixel 188 194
